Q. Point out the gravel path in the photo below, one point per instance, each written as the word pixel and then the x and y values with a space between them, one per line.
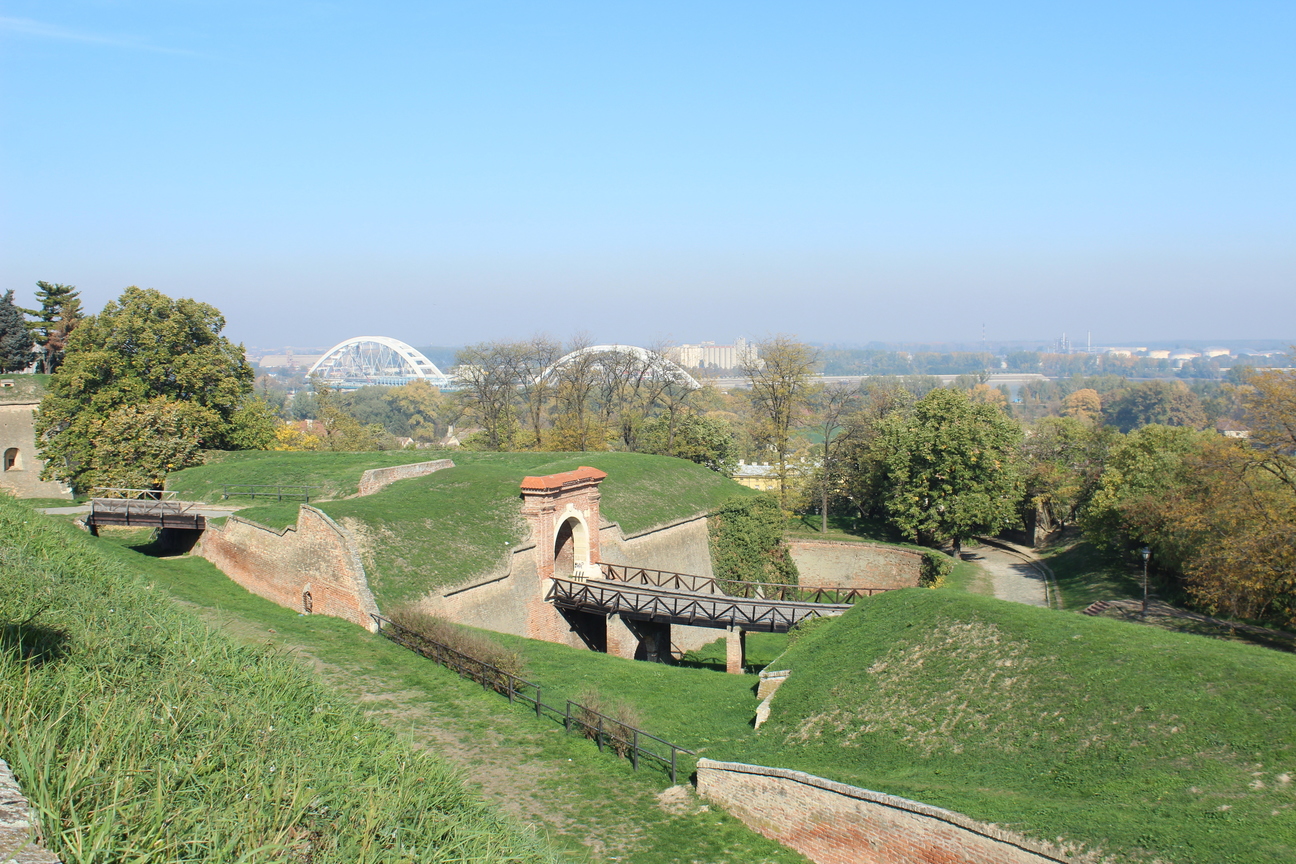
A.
pixel 1014 578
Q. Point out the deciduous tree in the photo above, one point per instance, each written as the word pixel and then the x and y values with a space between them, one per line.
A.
pixel 950 469
pixel 780 376
pixel 150 361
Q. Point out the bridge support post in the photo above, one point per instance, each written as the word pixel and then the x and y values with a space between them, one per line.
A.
pixel 735 650
pixel 621 640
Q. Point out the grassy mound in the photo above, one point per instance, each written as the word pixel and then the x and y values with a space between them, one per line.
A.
pixel 437 530
pixel 337 474
pixel 141 735
pixel 1144 743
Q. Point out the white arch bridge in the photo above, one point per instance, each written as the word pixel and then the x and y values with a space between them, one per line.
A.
pixel 376 360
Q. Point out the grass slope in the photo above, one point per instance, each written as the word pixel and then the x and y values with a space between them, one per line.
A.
pixel 1144 743
pixel 140 734
pixel 337 474
pixel 590 804
pixel 441 529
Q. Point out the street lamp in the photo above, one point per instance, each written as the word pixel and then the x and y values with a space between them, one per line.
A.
pixel 1146 552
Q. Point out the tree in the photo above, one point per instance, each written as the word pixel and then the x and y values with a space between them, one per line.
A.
pixel 342 430
pixel 1168 403
pixel 149 361
pixel 949 469
pixel 58 316
pixel 485 372
pixel 1063 460
pixel 707 441
pixel 15 338
pixel 831 405
pixel 780 377
pixel 576 427
pixel 1084 404
pixel 530 362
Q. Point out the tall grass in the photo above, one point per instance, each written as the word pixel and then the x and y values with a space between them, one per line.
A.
pixel 141 735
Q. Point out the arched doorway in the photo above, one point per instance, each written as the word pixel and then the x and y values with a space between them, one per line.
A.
pixel 12 462
pixel 571 549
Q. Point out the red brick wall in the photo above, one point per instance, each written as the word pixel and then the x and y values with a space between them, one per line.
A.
pixel 834 823
pixel 316 556
pixel 377 478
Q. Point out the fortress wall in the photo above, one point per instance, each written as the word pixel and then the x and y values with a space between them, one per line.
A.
pixel 848 564
pixel 681 546
pixel 377 478
pixel 18 432
pixel 834 823
pixel 317 555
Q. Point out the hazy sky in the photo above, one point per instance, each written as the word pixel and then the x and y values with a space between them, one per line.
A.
pixel 451 172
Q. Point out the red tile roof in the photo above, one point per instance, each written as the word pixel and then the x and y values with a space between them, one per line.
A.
pixel 583 474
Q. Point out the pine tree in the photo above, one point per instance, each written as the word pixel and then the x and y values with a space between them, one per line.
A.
pixel 59 314
pixel 15 338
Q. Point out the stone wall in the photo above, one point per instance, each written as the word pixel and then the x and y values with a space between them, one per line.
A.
pixel 18 443
pixel 847 564
pixel 834 823
pixel 313 564
pixel 377 478
pixel 19 826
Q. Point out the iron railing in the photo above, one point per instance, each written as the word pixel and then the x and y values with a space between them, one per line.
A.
pixel 624 740
pixel 263 490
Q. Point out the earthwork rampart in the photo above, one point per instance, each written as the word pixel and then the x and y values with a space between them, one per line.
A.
pixel 835 823
pixel 311 567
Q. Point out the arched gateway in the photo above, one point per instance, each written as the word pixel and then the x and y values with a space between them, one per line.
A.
pixel 563 510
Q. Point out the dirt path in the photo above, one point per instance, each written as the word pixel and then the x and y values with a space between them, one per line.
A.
pixel 1014 577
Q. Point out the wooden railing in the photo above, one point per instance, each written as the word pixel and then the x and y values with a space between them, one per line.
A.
pixel 267 490
pixel 734 588
pixel 623 739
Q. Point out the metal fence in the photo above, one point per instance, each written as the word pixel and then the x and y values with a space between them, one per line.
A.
pixel 267 490
pixel 605 731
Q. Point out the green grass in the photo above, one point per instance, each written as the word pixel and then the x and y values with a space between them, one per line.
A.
pixel 1145 743
pixel 807 527
pixel 25 387
pixel 337 474
pixel 50 502
pixel 1086 573
pixel 591 805
pixel 139 734
pixel 442 529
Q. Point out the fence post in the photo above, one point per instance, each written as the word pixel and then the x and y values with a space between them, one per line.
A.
pixel 599 736
pixel 509 680
pixel 537 702
pixel 673 765
pixel 566 720
pixel 634 751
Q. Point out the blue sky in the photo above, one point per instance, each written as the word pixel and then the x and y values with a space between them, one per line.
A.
pixel 452 172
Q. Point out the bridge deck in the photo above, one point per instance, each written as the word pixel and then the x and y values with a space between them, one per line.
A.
pixel 686 607
pixel 144 513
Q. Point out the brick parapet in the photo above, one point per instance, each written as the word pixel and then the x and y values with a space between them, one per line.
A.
pixel 851 564
pixel 375 479
pixel 836 823
pixel 316 556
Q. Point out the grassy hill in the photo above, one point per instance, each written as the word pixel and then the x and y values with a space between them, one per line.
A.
pixel 337 474
pixel 141 735
pixel 440 529
pixel 1148 744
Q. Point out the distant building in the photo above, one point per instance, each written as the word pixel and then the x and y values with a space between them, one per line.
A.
pixel 1158 354
pixel 757 475
pixel 708 355
pixel 1232 429
pixel 20 467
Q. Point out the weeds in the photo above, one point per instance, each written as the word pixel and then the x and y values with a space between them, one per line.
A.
pixel 616 721
pixel 476 645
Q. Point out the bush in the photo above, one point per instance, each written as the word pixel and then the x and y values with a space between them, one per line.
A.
pixel 935 567
pixel 476 645
pixel 747 545
pixel 619 720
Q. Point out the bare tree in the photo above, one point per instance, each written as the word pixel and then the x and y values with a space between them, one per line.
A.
pixel 529 364
pixel 576 381
pixel 780 374
pixel 832 404
pixel 485 373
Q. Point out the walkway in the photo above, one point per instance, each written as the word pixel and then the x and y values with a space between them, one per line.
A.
pixel 1016 575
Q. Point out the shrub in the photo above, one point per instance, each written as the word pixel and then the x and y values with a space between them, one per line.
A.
pixel 476 645
pixel 747 545
pixel 935 567
pixel 619 720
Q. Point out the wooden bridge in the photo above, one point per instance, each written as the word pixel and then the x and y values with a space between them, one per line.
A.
pixel 701 601
pixel 142 508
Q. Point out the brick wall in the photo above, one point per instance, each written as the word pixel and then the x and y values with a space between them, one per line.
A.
pixel 377 478
pixel 834 823
pixel 855 565
pixel 317 556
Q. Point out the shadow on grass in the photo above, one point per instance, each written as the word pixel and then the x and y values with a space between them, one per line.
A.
pixel 33 643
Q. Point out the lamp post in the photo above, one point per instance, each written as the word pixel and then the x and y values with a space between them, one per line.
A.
pixel 1146 552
